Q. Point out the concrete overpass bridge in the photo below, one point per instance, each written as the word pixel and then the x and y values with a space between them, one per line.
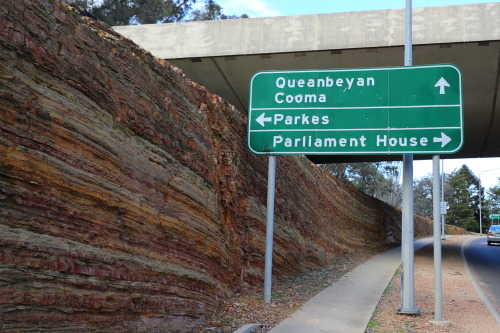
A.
pixel 223 55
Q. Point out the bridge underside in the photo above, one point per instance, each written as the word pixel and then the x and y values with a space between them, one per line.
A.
pixel 223 55
pixel 478 61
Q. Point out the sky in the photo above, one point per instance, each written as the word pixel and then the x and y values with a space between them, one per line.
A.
pixel 488 169
pixel 267 8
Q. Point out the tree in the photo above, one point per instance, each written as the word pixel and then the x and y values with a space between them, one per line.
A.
pixel 124 12
pixel 423 191
pixel 379 179
pixel 491 205
pixel 113 12
pixel 394 193
pixel 494 198
pixel 422 194
pixel 339 170
pixel 212 11
pixel 464 201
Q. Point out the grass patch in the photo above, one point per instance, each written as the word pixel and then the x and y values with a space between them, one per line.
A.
pixel 374 323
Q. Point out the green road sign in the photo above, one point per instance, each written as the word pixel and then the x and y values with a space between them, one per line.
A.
pixel 494 216
pixel 389 110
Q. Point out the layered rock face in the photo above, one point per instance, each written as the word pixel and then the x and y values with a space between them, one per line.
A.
pixel 128 199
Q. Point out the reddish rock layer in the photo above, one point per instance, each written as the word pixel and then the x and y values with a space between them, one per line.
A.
pixel 128 199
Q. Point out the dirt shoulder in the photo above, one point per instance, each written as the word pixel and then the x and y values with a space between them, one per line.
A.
pixel 461 306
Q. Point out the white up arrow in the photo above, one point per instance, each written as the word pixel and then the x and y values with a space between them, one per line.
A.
pixel 444 139
pixel 262 119
pixel 441 84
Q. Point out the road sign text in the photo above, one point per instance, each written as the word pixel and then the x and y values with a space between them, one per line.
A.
pixel 391 110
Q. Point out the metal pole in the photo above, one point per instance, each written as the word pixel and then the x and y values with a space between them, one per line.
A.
pixel 443 233
pixel 480 213
pixel 438 292
pixel 407 225
pixel 408 35
pixel 407 235
pixel 271 179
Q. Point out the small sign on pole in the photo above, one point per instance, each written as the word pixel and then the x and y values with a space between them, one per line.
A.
pixel 443 207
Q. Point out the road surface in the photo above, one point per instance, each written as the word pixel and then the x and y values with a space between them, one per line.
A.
pixel 484 262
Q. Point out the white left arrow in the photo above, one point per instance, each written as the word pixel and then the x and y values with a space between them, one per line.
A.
pixel 442 83
pixel 262 119
pixel 444 139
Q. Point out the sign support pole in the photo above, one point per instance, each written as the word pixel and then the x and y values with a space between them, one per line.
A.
pixel 443 233
pixel 407 235
pixel 480 212
pixel 407 223
pixel 271 180
pixel 438 290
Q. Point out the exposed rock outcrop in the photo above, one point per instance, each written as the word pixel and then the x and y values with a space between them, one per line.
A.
pixel 128 199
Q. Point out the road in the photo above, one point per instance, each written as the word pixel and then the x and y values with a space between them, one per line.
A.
pixel 484 261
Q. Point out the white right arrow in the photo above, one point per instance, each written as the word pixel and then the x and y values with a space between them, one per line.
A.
pixel 441 84
pixel 444 139
pixel 262 119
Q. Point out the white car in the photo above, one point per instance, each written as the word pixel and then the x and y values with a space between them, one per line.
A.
pixel 494 234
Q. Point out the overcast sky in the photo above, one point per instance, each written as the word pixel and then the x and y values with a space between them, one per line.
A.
pixel 266 8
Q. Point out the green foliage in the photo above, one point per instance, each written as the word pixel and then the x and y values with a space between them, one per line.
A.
pixel 461 188
pixel 491 205
pixel 378 179
pixel 212 11
pixel 422 194
pixel 493 201
pixel 125 12
pixel 464 201
pixel 372 325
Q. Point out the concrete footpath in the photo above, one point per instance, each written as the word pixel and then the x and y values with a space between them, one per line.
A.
pixel 348 304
